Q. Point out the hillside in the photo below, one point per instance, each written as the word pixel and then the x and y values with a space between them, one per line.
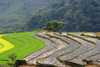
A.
pixel 78 15
pixel 17 11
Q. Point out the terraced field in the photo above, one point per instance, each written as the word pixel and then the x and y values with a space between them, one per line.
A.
pixel 24 45
pixel 49 46
pixel 95 53
pixel 5 45
pixel 86 46
pixel 62 50
pixel 68 48
pixel 51 54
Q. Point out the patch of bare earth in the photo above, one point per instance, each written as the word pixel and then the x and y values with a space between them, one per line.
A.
pixel 98 33
pixel 26 66
pixel 92 66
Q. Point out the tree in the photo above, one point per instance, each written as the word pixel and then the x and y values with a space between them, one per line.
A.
pixel 12 57
pixel 54 25
pixel 48 26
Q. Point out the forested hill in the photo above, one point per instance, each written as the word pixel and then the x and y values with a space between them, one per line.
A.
pixel 17 11
pixel 78 15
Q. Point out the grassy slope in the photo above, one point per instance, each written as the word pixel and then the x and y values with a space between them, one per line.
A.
pixel 24 45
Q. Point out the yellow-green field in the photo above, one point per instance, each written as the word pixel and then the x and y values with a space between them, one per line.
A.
pixel 5 45
pixel 20 43
pixel 1 46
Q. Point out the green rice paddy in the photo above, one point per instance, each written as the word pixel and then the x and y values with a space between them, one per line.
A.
pixel 5 45
pixel 23 45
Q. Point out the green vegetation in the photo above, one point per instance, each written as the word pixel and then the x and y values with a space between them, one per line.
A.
pixel 24 45
pixel 4 66
pixel 53 26
pixel 5 45
pixel 79 15
pixel 98 35
pixel 12 58
pixel 1 46
pixel 17 11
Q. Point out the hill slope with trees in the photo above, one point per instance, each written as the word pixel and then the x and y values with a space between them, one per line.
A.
pixel 78 15
pixel 17 11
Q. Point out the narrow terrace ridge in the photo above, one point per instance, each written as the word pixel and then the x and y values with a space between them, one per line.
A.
pixel 74 45
pixel 48 53
pixel 54 53
pixel 48 46
pixel 52 59
pixel 70 39
pixel 84 48
pixel 73 48
pixel 94 54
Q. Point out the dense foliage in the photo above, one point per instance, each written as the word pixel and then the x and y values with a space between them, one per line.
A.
pixel 53 26
pixel 79 15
